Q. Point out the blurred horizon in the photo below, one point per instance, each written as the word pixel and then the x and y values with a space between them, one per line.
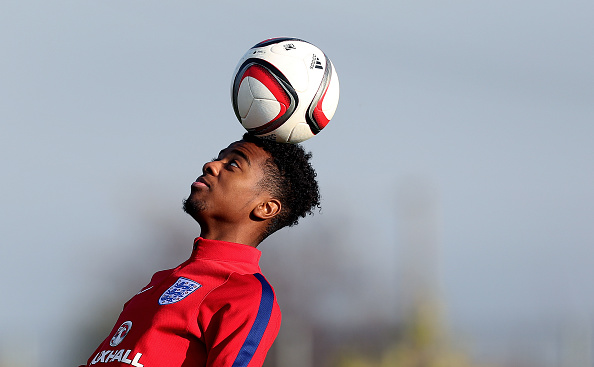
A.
pixel 456 175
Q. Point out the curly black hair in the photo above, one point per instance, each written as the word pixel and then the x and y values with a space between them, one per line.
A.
pixel 291 178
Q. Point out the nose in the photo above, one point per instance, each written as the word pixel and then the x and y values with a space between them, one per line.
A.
pixel 212 168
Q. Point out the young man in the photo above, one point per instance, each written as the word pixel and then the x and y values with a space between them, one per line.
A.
pixel 216 309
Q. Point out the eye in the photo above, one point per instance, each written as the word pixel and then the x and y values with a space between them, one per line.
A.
pixel 233 163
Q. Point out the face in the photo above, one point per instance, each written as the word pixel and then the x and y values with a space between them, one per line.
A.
pixel 228 188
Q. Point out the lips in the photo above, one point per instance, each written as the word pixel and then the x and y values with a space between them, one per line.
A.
pixel 200 182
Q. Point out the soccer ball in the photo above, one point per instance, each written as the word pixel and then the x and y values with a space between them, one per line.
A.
pixel 284 89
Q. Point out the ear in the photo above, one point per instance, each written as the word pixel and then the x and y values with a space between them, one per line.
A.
pixel 267 209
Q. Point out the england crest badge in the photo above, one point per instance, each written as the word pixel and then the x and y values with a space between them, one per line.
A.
pixel 182 288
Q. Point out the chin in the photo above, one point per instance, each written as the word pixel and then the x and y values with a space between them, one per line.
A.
pixel 194 207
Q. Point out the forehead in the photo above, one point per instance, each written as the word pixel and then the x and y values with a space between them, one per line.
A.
pixel 252 153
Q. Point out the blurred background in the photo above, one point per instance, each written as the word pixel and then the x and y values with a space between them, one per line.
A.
pixel 457 226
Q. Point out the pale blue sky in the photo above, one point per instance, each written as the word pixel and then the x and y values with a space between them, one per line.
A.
pixel 109 108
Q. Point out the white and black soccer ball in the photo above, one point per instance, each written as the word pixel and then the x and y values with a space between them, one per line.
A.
pixel 284 89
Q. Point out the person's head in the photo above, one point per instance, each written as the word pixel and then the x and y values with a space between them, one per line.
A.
pixel 254 185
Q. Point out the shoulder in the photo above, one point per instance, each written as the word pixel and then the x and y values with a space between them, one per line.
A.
pixel 239 320
pixel 244 288
pixel 240 294
pixel 243 299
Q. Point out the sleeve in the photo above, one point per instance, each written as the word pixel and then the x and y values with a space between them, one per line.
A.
pixel 239 321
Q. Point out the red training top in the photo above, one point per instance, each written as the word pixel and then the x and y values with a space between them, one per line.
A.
pixel 215 309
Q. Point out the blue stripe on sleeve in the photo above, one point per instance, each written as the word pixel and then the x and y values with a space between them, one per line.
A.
pixel 248 349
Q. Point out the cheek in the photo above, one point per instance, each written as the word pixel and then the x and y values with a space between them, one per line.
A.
pixel 245 192
pixel 243 195
pixel 246 185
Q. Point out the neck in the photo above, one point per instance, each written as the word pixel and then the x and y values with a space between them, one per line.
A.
pixel 231 233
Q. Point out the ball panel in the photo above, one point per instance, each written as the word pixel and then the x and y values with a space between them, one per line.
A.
pixel 296 72
pixel 300 132
pixel 262 112
pixel 274 81
pixel 292 48
pixel 293 67
pixel 330 102
pixel 244 98
pixel 258 90
pixel 265 86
